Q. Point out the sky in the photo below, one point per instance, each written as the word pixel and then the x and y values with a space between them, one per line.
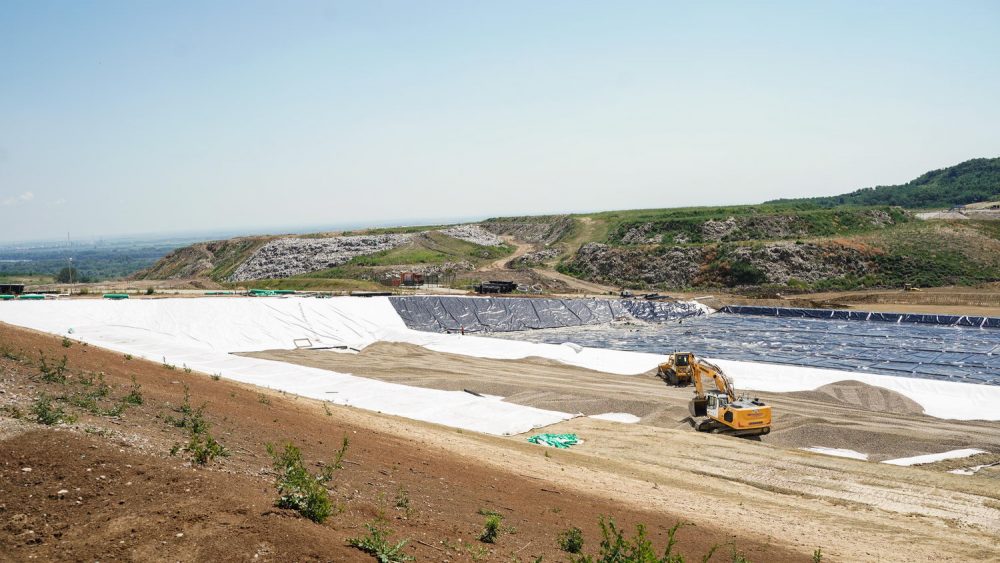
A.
pixel 131 116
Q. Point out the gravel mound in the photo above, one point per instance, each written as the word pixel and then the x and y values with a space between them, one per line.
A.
pixel 862 395
pixel 286 257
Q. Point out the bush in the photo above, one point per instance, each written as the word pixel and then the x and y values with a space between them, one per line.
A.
pixel 300 490
pixel 571 540
pixel 52 374
pixel 134 396
pixel 204 448
pixel 377 544
pixel 47 414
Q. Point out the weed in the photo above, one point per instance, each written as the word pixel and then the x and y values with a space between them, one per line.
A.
pixel 326 409
pixel 187 369
pixel 66 342
pixel 491 528
pixel 47 414
pixel 134 396
pixel 168 366
pixel 174 449
pixel 402 498
pixel 639 549
pixel 817 555
pixel 128 356
pixel 262 399
pixel 377 544
pixel 204 448
pixel 52 374
pixel 216 376
pixel 150 291
pixel 7 353
pixel 571 540
pixel 300 490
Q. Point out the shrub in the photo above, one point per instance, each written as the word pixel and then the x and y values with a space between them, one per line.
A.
pixel 150 291
pixel 300 490
pixel 491 528
pixel 134 396
pixel 66 342
pixel 52 374
pixel 47 414
pixel 377 544
pixel 204 448
pixel 571 540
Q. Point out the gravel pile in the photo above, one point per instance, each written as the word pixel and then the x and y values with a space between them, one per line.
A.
pixel 474 234
pixel 286 257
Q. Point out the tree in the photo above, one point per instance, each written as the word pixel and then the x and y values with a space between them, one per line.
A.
pixel 68 275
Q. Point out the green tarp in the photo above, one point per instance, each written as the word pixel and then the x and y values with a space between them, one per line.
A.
pixel 555 440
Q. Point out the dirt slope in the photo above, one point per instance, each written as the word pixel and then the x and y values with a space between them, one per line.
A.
pixel 127 498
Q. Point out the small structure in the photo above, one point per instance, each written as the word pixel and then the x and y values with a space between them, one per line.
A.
pixel 408 279
pixel 494 286
pixel 11 288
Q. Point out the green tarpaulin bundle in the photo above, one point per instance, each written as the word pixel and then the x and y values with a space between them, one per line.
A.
pixel 555 440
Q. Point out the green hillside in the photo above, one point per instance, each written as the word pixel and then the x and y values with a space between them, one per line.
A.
pixel 969 182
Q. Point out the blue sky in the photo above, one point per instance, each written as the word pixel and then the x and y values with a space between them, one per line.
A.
pixel 136 117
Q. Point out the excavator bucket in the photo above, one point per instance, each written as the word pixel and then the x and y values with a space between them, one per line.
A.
pixel 698 407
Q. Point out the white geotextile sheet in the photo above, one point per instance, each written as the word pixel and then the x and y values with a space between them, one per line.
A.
pixel 837 452
pixel 931 458
pixel 201 333
pixel 942 399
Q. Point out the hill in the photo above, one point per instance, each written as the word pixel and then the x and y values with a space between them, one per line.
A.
pixel 969 182
pixel 787 245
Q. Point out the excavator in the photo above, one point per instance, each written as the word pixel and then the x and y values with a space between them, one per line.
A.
pixel 719 410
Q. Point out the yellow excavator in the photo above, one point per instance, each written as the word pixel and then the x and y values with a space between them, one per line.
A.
pixel 719 410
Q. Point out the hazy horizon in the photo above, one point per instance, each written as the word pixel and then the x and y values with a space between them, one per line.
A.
pixel 119 118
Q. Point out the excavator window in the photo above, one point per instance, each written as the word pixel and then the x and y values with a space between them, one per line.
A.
pixel 682 360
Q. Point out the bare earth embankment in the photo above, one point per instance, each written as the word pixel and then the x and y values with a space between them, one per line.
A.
pixel 126 497
pixel 107 488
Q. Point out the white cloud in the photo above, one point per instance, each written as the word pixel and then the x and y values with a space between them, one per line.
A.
pixel 14 200
pixel 59 201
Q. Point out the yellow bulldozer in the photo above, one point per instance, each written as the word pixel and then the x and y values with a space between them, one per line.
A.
pixel 718 410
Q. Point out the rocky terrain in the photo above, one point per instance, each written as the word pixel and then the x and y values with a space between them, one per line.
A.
pixel 285 257
pixel 754 226
pixel 541 229
pixel 474 234
pixel 691 266
pixel 533 259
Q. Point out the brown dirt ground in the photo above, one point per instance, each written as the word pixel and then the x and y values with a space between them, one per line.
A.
pixel 127 498
pixel 864 511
